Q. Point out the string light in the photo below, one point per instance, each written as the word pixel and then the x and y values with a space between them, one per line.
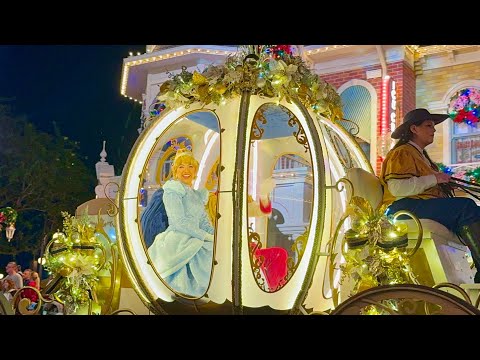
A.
pixel 434 49
pixel 136 62
pixel 326 48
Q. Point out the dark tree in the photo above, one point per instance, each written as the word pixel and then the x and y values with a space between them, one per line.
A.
pixel 40 176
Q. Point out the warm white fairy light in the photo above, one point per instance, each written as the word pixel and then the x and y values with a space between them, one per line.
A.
pixel 326 49
pixel 435 49
pixel 136 62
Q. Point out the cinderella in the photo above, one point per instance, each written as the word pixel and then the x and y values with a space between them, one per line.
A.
pixel 183 253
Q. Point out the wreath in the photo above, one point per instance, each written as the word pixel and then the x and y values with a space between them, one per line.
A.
pixel 464 106
pixel 8 216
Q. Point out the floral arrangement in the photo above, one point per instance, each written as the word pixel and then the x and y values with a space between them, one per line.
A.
pixel 8 216
pixel 376 253
pixel 265 70
pixel 76 256
pixel 464 106
pixel 278 51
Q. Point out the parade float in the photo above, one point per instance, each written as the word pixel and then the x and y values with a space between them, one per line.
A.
pixel 262 126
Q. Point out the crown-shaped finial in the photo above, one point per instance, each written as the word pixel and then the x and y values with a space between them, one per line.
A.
pixel 183 152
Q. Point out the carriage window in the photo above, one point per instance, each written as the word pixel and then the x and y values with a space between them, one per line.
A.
pixel 280 195
pixel 177 203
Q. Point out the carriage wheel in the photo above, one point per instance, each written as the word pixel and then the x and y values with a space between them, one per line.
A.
pixel 405 299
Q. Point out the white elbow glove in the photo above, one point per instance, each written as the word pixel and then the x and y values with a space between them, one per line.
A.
pixel 209 237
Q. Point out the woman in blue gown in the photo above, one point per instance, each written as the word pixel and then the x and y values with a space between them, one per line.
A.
pixel 183 253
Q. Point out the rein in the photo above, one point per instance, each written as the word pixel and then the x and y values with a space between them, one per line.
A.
pixel 467 186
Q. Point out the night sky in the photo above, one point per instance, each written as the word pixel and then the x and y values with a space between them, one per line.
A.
pixel 78 87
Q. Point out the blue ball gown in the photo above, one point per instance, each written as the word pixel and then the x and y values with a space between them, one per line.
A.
pixel 183 253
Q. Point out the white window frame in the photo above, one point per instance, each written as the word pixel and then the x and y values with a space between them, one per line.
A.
pixel 373 113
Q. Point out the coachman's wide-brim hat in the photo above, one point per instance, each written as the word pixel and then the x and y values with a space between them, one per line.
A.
pixel 416 117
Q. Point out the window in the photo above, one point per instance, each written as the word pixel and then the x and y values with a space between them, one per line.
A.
pixel 357 108
pixel 466 134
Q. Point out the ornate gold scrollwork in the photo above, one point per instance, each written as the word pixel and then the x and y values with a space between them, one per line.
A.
pixel 419 226
pixel 256 261
pixel 332 243
pixel 113 209
pixel 354 129
pixel 339 189
pixel 298 247
pixel 257 131
pixel 330 249
pixel 300 135
pixel 21 305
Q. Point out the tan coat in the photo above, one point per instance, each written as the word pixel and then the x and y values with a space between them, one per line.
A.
pixel 405 162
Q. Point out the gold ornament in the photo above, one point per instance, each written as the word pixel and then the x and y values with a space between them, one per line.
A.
pixel 261 82
pixel 199 79
pixel 65 271
pixel 303 92
pixel 203 91
pixel 166 86
pixel 220 89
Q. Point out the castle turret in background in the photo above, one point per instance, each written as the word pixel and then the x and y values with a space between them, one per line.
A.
pixel 108 182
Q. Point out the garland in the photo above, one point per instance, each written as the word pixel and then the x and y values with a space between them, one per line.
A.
pixel 375 255
pixel 265 70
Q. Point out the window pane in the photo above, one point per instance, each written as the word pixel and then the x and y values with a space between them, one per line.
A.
pixel 177 204
pixel 466 149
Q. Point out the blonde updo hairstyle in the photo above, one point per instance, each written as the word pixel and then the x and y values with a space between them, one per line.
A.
pixel 183 157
